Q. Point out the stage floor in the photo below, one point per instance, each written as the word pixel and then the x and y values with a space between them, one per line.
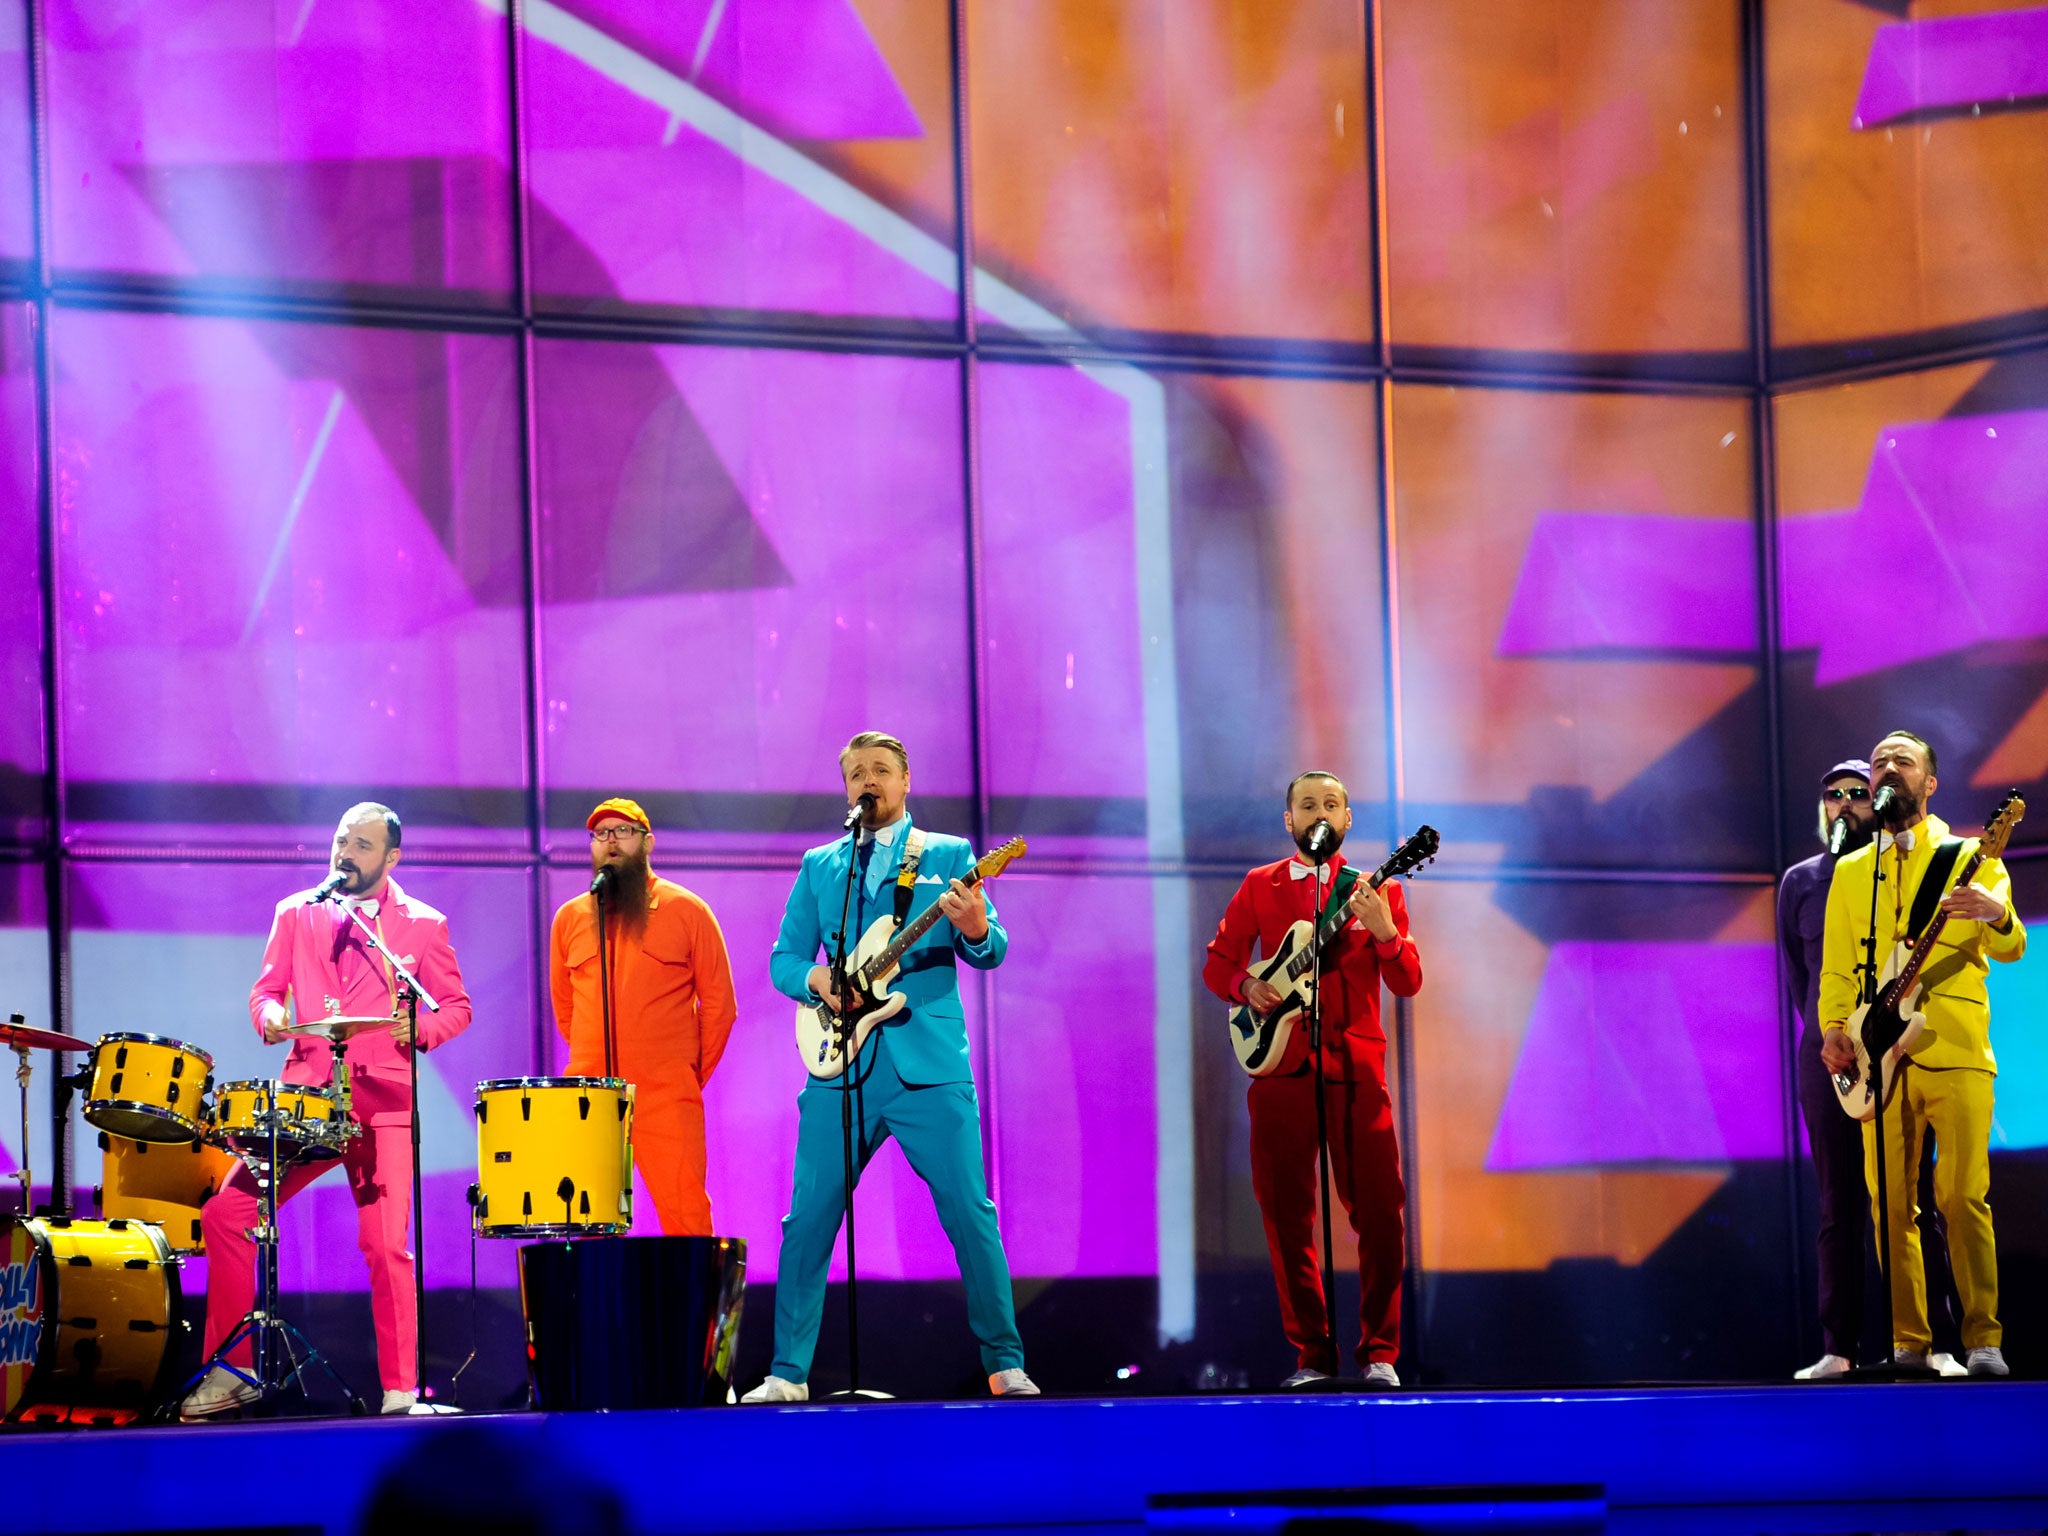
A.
pixel 1953 1456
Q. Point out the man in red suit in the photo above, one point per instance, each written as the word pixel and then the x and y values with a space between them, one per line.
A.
pixel 1365 1157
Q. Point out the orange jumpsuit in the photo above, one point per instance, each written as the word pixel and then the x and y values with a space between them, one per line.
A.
pixel 672 1009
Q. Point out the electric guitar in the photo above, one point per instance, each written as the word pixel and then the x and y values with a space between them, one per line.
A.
pixel 826 1038
pixel 1888 1027
pixel 1260 1040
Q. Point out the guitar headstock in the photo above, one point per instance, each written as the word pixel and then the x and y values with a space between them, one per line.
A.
pixel 996 860
pixel 1411 855
pixel 1998 830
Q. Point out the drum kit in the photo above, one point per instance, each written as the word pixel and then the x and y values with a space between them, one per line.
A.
pixel 91 1311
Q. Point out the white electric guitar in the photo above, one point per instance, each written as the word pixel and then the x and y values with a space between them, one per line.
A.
pixel 826 1038
pixel 1888 1027
pixel 1260 1039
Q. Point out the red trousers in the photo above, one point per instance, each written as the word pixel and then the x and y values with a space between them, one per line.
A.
pixel 1365 1167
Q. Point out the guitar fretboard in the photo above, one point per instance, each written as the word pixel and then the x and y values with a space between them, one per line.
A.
pixel 1903 982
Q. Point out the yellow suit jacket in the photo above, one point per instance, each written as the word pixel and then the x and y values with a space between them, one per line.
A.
pixel 1958 1009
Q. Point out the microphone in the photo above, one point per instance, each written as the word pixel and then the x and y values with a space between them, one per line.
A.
pixel 1882 804
pixel 600 880
pixel 329 886
pixel 857 810
pixel 1838 834
pixel 1319 837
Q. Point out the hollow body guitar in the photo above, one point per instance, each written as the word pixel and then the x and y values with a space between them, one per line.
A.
pixel 1887 1027
pixel 1260 1039
pixel 827 1038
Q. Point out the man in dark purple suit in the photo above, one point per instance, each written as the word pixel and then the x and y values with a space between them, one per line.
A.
pixel 1846 823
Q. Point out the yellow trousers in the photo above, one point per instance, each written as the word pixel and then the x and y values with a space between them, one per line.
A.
pixel 1953 1106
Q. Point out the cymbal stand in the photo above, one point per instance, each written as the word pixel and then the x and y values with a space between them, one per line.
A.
pixel 274 1342
pixel 22 1175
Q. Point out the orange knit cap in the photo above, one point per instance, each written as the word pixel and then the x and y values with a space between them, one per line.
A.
pixel 619 805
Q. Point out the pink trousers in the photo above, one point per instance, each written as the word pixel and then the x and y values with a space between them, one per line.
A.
pixel 379 1168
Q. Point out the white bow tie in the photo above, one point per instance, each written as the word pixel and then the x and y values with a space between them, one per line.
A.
pixel 367 905
pixel 1885 840
pixel 1299 870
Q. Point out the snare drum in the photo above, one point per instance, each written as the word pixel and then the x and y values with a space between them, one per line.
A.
pixel 163 1183
pixel 148 1087
pixel 554 1156
pixel 90 1317
pixel 312 1125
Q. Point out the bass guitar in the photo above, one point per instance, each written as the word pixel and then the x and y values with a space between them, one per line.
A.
pixel 1887 1027
pixel 1260 1039
pixel 827 1038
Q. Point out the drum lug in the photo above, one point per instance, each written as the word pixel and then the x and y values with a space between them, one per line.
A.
pixel 583 1107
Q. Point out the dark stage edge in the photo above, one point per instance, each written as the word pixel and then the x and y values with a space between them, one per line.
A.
pixel 1828 1458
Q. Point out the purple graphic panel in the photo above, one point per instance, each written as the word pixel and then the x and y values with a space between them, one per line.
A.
pixel 750 1104
pixel 345 143
pixel 172 949
pixel 1646 1053
pixel 1637 582
pixel 294 573
pixel 21 603
pixel 1949 64
pixel 1066 701
pixel 661 174
pixel 746 557
pixel 17 216
pixel 1071 1034
pixel 1962 500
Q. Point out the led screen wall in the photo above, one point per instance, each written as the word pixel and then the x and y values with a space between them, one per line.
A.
pixel 1577 424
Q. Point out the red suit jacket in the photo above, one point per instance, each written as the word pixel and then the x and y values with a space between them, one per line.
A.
pixel 1354 965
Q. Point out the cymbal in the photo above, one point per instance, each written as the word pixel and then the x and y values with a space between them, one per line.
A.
pixel 345 1027
pixel 19 1035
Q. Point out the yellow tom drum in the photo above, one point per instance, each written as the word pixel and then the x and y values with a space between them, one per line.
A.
pixel 163 1183
pixel 148 1087
pixel 90 1318
pixel 311 1126
pixel 554 1157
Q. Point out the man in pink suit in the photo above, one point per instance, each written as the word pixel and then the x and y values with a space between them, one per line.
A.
pixel 316 964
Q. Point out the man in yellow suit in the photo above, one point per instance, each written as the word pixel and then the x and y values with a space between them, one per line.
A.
pixel 1944 1087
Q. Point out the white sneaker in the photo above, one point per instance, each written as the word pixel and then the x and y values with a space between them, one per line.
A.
pixel 1909 1359
pixel 1303 1377
pixel 1012 1383
pixel 1942 1363
pixel 774 1389
pixel 1823 1368
pixel 396 1401
pixel 221 1391
pixel 1988 1361
pixel 1381 1373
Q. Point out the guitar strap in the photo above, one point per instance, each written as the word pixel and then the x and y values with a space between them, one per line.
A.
pixel 906 881
pixel 1340 892
pixel 1932 886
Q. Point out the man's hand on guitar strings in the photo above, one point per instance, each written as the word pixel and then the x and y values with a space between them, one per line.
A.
pixel 1369 906
pixel 1974 904
pixel 967 907
pixel 1262 996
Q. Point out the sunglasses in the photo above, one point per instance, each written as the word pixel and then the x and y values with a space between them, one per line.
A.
pixel 1850 792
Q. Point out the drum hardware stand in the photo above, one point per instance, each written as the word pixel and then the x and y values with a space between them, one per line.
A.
pixel 22 1073
pixel 412 994
pixel 599 884
pixel 274 1342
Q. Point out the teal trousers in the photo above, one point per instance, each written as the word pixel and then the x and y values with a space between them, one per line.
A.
pixel 939 1129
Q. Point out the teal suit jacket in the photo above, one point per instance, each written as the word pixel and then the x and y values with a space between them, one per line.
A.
pixel 928 1038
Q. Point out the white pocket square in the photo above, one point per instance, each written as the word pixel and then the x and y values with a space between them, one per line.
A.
pixel 932 880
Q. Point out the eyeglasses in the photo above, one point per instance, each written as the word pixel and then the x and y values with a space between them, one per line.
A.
pixel 615 834
pixel 1850 792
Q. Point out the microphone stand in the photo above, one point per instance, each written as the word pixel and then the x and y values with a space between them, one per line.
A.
pixel 598 886
pixel 848 1087
pixel 1889 1367
pixel 413 994
pixel 1315 1046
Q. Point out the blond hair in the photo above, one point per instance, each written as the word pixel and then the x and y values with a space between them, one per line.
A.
pixel 866 739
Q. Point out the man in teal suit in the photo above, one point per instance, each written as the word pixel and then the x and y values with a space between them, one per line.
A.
pixel 913 1075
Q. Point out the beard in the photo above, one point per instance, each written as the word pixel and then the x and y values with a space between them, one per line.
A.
pixel 629 890
pixel 1905 804
pixel 1336 839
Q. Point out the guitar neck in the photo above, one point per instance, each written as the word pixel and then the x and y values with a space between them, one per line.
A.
pixel 886 961
pixel 1910 973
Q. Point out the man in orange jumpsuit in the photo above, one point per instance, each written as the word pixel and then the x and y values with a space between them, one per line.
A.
pixel 672 1006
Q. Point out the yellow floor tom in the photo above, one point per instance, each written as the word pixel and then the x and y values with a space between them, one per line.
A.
pixel 554 1157
pixel 165 1183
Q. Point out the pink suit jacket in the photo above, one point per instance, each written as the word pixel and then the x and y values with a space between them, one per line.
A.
pixel 316 953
